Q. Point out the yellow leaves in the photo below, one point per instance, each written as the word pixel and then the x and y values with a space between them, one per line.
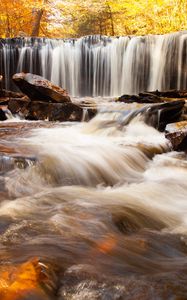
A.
pixel 19 16
pixel 73 18
pixel 17 281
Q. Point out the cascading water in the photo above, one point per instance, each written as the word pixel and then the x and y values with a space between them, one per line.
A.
pixel 101 66
pixel 101 204
pixel 97 208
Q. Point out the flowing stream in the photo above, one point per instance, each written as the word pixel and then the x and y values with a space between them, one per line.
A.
pixel 102 204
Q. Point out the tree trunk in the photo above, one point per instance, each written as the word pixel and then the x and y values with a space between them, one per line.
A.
pixel 36 24
pixel 111 19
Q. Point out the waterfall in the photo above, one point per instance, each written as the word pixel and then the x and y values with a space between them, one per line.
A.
pixel 100 65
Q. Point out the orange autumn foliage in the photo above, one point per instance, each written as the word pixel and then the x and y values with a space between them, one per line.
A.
pixel 75 18
pixel 17 17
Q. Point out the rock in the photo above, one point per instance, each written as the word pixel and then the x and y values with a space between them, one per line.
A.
pixel 37 110
pixel 170 94
pixel 39 89
pixel 11 94
pixel 3 116
pixel 165 113
pixel 29 280
pixel 177 134
pixel 158 115
pixel 6 96
pixel 9 162
pixel 148 98
pixel 18 105
pixel 4 100
pixel 154 97
pixel 91 113
pixel 54 111
pixel 89 108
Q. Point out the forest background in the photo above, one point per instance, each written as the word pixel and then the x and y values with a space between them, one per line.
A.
pixel 75 18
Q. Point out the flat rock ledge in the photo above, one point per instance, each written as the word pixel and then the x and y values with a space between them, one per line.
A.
pixel 40 99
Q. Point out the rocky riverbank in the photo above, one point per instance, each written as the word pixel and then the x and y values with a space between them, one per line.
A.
pixel 41 100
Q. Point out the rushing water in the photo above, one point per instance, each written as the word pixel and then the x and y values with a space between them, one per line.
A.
pixel 101 204
pixel 99 65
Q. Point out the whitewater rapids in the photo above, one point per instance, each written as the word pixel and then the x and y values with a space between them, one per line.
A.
pixel 104 204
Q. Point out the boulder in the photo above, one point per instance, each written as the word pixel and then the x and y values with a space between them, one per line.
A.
pixel 39 89
pixel 177 134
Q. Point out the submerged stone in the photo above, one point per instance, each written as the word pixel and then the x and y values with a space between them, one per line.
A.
pixel 30 280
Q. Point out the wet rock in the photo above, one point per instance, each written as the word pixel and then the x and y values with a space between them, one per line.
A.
pixel 83 282
pixel 10 94
pixel 8 163
pixel 177 134
pixel 154 97
pixel 159 115
pixel 89 108
pixel 141 98
pixel 18 105
pixel 37 110
pixel 167 112
pixel 88 113
pixel 169 94
pixel 39 89
pixel 54 111
pixel 4 100
pixel 3 116
pixel 29 280
pixel 91 113
pixel 6 96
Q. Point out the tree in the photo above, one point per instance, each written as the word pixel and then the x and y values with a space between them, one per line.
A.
pixel 74 18
pixel 20 16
